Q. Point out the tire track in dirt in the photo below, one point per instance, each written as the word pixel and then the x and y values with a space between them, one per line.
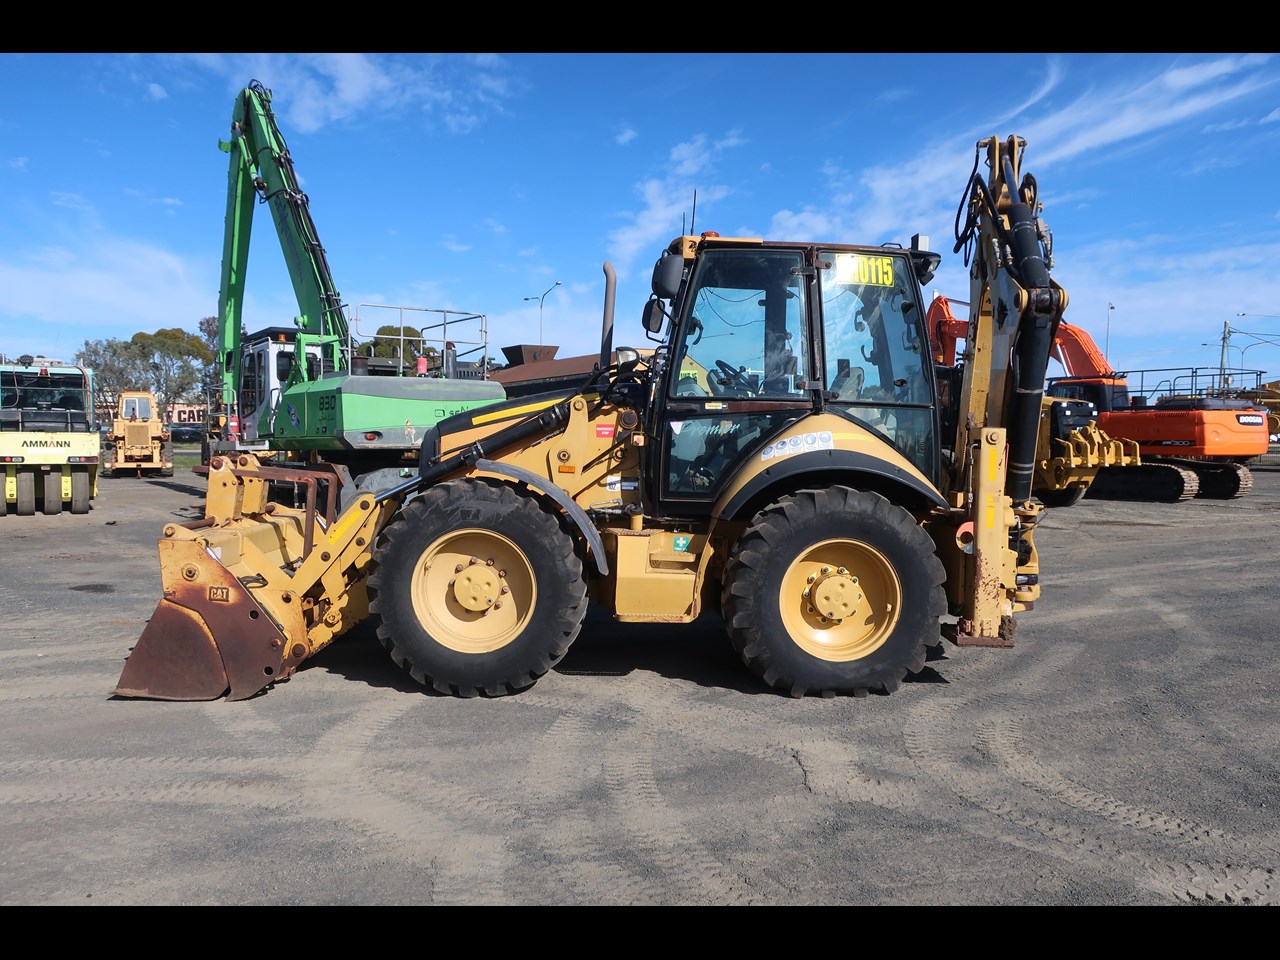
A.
pixel 572 867
pixel 931 737
pixel 69 687
pixel 177 780
pixel 1002 743
pixel 457 834
pixel 690 874
pixel 687 872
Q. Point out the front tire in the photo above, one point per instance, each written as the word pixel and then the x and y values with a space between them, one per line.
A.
pixel 477 589
pixel 834 591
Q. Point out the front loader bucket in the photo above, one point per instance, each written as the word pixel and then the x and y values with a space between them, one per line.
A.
pixel 255 588
pixel 208 637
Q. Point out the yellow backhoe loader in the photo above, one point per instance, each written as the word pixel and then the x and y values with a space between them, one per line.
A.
pixel 789 454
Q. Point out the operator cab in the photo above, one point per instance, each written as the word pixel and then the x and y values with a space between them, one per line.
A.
pixel 264 373
pixel 763 334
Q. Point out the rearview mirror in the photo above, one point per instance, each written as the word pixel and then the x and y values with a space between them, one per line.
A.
pixel 666 276
pixel 654 316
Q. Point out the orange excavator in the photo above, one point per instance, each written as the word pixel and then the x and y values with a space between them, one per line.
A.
pixel 1193 442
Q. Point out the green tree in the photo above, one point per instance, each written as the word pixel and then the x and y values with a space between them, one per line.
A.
pixel 175 358
pixel 117 365
pixel 211 374
pixel 387 343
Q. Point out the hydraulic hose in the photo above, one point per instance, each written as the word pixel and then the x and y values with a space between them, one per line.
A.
pixel 1037 328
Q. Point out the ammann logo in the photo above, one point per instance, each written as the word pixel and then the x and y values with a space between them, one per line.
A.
pixel 46 444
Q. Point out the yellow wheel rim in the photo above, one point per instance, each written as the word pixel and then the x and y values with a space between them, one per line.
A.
pixel 840 600
pixel 473 590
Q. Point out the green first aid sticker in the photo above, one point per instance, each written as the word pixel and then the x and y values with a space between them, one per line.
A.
pixel 681 543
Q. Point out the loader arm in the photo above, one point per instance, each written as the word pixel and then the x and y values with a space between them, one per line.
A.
pixel 256 588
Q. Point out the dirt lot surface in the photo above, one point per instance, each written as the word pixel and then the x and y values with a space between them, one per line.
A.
pixel 1123 752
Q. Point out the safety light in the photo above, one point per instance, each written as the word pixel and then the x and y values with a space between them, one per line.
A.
pixel 10 459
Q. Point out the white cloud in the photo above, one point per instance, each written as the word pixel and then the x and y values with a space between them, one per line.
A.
pixel 123 285
pixel 453 244
pixel 1271 117
pixel 667 203
pixel 157 92
pixel 1053 76
pixel 458 92
pixel 72 201
pixel 18 163
pixel 625 136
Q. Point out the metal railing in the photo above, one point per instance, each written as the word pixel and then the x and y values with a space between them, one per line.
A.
pixel 454 335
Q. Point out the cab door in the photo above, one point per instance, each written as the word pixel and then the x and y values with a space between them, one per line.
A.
pixel 740 370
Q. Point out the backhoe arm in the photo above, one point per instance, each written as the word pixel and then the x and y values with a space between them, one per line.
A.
pixel 1015 308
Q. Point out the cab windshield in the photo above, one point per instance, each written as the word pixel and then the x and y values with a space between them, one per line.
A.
pixel 876 365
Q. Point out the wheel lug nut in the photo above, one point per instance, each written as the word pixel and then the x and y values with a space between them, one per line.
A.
pixel 458 568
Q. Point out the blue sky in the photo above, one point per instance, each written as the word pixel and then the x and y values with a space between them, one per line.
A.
pixel 472 182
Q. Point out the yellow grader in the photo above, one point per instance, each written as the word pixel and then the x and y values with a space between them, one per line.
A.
pixel 840 502
pixel 139 444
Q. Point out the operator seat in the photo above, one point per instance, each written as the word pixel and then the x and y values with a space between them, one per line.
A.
pixel 848 382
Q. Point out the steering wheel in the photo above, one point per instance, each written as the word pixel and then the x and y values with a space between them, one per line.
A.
pixel 736 378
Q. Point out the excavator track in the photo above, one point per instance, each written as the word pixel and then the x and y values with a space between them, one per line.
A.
pixel 1220 480
pixel 1158 481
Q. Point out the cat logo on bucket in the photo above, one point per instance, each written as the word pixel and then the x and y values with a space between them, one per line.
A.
pixel 220 594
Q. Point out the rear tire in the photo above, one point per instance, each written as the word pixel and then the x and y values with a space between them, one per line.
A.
pixel 166 456
pixel 26 505
pixel 81 490
pixel 834 591
pixel 457 622
pixel 52 505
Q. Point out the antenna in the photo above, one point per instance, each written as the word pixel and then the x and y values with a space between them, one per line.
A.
pixel 693 216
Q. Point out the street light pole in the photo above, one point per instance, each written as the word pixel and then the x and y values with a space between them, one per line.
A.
pixel 540 300
pixel 1224 360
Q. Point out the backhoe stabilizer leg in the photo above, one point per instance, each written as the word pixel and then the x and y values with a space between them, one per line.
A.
pixel 1003 565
